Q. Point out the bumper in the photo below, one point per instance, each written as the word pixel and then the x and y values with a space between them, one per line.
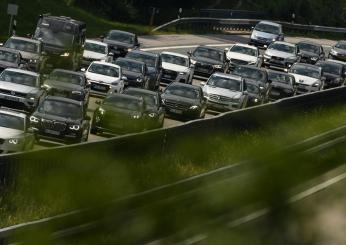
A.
pixel 187 113
pixel 222 107
pixel 277 65
pixel 17 102
pixel 102 89
pixel 303 89
pixel 61 137
pixel 8 149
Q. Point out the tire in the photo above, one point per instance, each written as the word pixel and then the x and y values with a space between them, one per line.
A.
pixel 94 130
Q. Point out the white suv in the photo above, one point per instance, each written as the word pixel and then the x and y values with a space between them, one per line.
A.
pixel 94 51
pixel 243 54
pixel 176 68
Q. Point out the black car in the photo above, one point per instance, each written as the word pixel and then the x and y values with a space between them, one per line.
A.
pixel 184 100
pixel 121 42
pixel 62 120
pixel 255 95
pixel 120 114
pixel 136 72
pixel 333 73
pixel 310 52
pixel 338 51
pixel 282 85
pixel 10 58
pixel 153 103
pixel 153 62
pixel 207 60
pixel 68 84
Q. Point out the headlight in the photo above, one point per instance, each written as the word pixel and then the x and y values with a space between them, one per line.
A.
pixel 252 62
pixel 46 86
pixel 194 107
pixel 333 52
pixel 136 116
pixel 34 119
pixel 115 83
pixel 101 111
pixel 193 62
pixel 315 84
pixel 65 54
pixel 255 100
pixel 129 49
pixel 33 61
pixel 139 80
pixel 75 127
pixel 152 115
pixel 274 39
pixel 32 98
pixel 182 73
pixel 314 58
pixel 217 66
pixel 14 141
pixel 77 92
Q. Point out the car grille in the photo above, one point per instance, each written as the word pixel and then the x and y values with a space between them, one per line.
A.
pixel 239 62
pixel 100 87
pixel 303 88
pixel 2 141
pixel 53 125
pixel 13 93
pixel 275 58
pixel 168 74
pixel 176 105
pixel 220 98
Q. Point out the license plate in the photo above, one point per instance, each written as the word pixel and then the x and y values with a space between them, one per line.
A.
pixel 11 98
pixel 176 111
pixel 100 87
pixel 53 132
pixel 275 93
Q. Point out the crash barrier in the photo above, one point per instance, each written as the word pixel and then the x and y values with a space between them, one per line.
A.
pixel 231 13
pixel 203 25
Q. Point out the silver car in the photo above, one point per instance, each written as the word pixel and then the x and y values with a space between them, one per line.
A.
pixel 266 32
pixel 281 55
pixel 15 135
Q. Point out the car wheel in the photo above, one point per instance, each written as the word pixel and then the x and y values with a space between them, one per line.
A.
pixel 94 130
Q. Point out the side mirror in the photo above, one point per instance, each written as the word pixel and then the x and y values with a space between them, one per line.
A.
pixel 124 78
pixel 98 102
pixel 203 84
pixel 83 70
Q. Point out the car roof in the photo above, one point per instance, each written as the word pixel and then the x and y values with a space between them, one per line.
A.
pixel 245 45
pixel 309 42
pixel 25 39
pixel 285 43
pixel 63 18
pixel 124 32
pixel 96 42
pixel 144 52
pixel 269 23
pixel 105 63
pixel 176 54
pixel 219 74
pixel 139 99
pixel 278 72
pixel 22 71
pixel 328 62
pixel 308 65
pixel 12 112
pixel 69 72
pixel 208 47
pixel 63 99
pixel 185 85
pixel 337 61
pixel 130 60
pixel 144 91
pixel 10 50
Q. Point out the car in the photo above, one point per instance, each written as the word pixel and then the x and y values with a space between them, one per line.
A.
pixel 10 58
pixel 333 73
pixel 266 32
pixel 243 54
pixel 225 92
pixel 208 60
pixel 136 72
pixel 95 51
pixel 15 132
pixel 154 65
pixel 308 77
pixel 30 50
pixel 184 100
pixel 104 78
pixel 21 89
pixel 338 51
pixel 255 95
pixel 62 120
pixel 120 114
pixel 121 42
pixel 176 68
pixel 283 85
pixel 280 55
pixel 310 52
pixel 154 107
pixel 68 84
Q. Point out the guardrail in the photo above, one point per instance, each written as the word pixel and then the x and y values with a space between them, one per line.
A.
pixel 198 24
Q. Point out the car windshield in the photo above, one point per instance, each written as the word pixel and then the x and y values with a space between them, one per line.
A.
pixel 249 73
pixel 280 78
pixel 282 48
pixel 252 88
pixel 123 103
pixel 173 59
pixel 61 109
pixel 57 38
pixel 147 59
pixel 9 56
pixel 93 47
pixel 267 28
pixel 19 78
pixel 208 53
pixel 128 65
pixel 244 50
pixel 306 71
pixel 10 121
pixel 65 77
pixel 224 82
pixel 183 91
pixel 335 69
pixel 22 45
pixel 105 70
pixel 341 45
pixel 149 99
pixel 121 37
pixel 308 48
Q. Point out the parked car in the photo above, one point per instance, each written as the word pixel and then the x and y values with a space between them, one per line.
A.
pixel 104 78
pixel 225 92
pixel 154 107
pixel 68 84
pixel 176 68
pixel 255 95
pixel 308 77
pixel 184 100
pixel 30 50
pixel 15 134
pixel 266 32
pixel 333 73
pixel 95 51
pixel 62 120
pixel 136 72
pixel 154 65
pixel 282 85
pixel 243 54
pixel 121 42
pixel 120 114
pixel 280 55
pixel 21 89
pixel 338 51
pixel 10 58
pixel 208 60
pixel 310 52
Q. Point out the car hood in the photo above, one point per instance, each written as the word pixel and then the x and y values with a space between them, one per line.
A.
pixel 119 111
pixel 132 75
pixel 18 88
pixel 117 44
pixel 174 67
pixel 281 54
pixel 265 35
pixel 305 79
pixel 340 51
pixel 63 86
pixel 308 54
pixel 29 56
pixel 207 60
pixel 245 57
pixel 5 64
pixel 56 118
pixel 222 91
pixel 7 133
pixel 101 78
pixel 94 55
pixel 180 99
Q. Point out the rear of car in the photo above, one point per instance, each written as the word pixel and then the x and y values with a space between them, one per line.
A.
pixel 94 51
pixel 266 32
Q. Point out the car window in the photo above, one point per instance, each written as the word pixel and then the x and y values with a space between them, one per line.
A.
pixel 149 99
pixel 306 71
pixel 341 45
pixel 105 70
pixel 177 60
pixel 226 83
pixel 101 49
pixel 10 121
pixel 244 50
pixel 124 103
pixel 121 37
pixel 249 73
pixel 130 66
pixel 19 78
pixel 331 68
pixel 282 48
pixel 8 56
pixel 309 48
pixel 208 53
pixel 280 78
pixel 262 27
pixel 22 45
pixel 61 109
pixel 147 59
pixel 66 77
pixel 187 92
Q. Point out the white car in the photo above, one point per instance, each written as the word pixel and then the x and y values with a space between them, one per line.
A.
pixel 104 78
pixel 308 77
pixel 176 68
pixel 243 54
pixel 280 55
pixel 94 51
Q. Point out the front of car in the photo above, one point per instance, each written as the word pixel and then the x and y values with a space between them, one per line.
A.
pixel 282 85
pixel 9 58
pixel 242 54
pixel 265 33
pixel 120 42
pixel 338 52
pixel 309 52
pixel 255 95
pixel 175 68
pixel 134 71
pixel 94 51
pixel 280 55
pixel 308 77
pixel 225 92
pixel 104 78
pixel 333 73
